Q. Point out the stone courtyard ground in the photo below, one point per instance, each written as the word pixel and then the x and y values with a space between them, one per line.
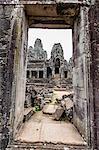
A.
pixel 42 128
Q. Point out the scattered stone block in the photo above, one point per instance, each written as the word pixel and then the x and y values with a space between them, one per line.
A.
pixel 28 112
pixel 58 113
pixel 68 96
pixel 67 103
pixel 49 109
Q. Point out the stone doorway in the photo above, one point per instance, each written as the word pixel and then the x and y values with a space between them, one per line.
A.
pixel 32 23
pixel 60 15
pixel 65 74
pixel 78 70
pixel 56 70
pixel 57 66
pixel 40 74
pixel 49 72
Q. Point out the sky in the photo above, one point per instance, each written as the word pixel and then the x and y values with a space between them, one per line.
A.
pixel 51 36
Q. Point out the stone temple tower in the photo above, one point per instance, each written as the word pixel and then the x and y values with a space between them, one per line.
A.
pixel 58 63
pixel 37 53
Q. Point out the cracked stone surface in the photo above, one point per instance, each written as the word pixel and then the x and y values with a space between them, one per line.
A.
pixel 41 128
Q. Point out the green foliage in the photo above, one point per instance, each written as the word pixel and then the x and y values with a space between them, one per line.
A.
pixel 37 108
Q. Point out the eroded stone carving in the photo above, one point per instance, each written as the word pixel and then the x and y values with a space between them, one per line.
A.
pixel 37 53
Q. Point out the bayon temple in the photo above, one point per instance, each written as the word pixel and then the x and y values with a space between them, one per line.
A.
pixel 55 71
pixel 44 75
pixel 40 107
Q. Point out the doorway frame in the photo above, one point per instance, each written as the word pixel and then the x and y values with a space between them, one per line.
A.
pixel 76 58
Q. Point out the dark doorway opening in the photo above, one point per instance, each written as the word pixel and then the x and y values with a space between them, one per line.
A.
pixel 28 74
pixel 34 74
pixel 40 74
pixel 65 74
pixel 57 65
pixel 57 62
pixel 49 72
pixel 56 70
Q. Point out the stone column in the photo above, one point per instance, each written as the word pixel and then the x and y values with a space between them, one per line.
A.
pixel 38 74
pixel 53 71
pixel 30 74
pixel 12 70
pixel 45 72
pixel 62 73
pixel 19 49
pixel 80 72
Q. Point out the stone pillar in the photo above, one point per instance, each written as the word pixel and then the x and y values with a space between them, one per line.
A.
pixel 38 74
pixel 13 69
pixel 81 57
pixel 45 72
pixel 30 74
pixel 19 33
pixel 61 73
pixel 53 71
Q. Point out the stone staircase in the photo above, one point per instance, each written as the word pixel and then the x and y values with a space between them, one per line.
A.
pixel 44 146
pixel 63 83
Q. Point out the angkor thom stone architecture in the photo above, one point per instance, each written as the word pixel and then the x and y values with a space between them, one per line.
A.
pixel 82 16
pixel 42 70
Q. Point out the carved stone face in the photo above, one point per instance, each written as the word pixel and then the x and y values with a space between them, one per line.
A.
pixel 37 53
pixel 30 48
pixel 38 43
pixel 57 51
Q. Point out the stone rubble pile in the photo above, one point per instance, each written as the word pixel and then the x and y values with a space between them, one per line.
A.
pixel 42 99
pixel 65 106
pixel 38 97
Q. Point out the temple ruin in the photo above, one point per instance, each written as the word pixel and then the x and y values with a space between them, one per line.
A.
pixel 42 70
pixel 44 75
pixel 16 17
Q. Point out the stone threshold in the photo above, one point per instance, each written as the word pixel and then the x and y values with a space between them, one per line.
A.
pixel 44 146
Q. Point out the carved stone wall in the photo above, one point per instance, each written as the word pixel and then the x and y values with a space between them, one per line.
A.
pixel 6 75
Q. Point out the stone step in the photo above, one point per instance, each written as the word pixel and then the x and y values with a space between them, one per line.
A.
pixel 45 146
